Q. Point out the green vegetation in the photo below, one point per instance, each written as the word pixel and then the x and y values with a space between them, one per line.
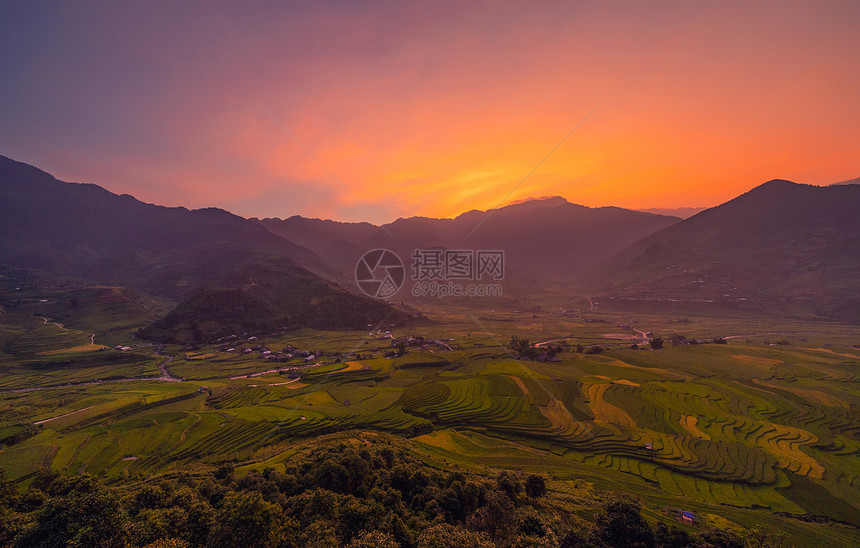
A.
pixel 268 295
pixel 746 435
pixel 367 490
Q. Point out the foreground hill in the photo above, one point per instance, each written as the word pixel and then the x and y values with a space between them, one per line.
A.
pixel 543 239
pixel 264 297
pixel 341 491
pixel 780 243
pixel 85 232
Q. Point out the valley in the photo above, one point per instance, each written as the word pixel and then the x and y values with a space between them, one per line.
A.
pixel 648 358
pixel 728 431
pixel 429 274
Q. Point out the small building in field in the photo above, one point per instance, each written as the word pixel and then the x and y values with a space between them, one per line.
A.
pixel 687 518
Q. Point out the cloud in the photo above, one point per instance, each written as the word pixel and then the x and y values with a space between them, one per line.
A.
pixel 377 110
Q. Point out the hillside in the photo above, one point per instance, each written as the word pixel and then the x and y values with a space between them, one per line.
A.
pixel 264 297
pixel 545 239
pixel 327 494
pixel 781 243
pixel 681 212
pixel 84 232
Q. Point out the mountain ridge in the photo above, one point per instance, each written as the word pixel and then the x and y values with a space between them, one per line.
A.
pixel 532 233
pixel 780 242
pixel 87 232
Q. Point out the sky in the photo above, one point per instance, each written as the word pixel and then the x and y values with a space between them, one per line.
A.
pixel 369 111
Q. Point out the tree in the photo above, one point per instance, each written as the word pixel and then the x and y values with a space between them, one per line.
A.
pixel 535 486
pixel 530 525
pixel 672 538
pixel 510 485
pixel 575 539
pixel 246 520
pixel 678 339
pixel 656 343
pixel 81 518
pixel 720 538
pixel 523 348
pixel 168 543
pixel 620 525
pixel 497 518
pixel 373 539
pixel 445 535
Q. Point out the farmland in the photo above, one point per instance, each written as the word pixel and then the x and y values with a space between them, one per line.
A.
pixel 735 432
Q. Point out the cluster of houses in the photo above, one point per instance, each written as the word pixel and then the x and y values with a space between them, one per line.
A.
pixel 418 341
pixel 682 340
pixel 252 345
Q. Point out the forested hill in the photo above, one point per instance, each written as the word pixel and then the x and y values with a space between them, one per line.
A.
pixel 359 491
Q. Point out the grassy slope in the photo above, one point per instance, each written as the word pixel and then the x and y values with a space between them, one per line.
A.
pixel 780 421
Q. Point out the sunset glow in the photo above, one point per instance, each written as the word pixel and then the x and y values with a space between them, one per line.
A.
pixel 380 111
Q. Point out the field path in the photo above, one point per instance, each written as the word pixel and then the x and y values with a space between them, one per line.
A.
pixel 165 377
pixel 689 422
pixel 521 384
pixel 165 374
pixel 605 412
pixel 76 384
pixel 184 433
pixel 828 351
pixel 292 381
pixel 261 373
pixel 43 421
pixel 47 321
pixel 548 341
pixel 644 335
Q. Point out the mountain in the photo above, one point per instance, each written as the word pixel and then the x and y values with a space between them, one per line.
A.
pixel 86 232
pixel 780 243
pixel 548 239
pixel 339 244
pixel 318 233
pixel 83 230
pixel 682 212
pixel 266 296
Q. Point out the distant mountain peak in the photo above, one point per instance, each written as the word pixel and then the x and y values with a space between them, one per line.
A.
pixel 680 212
pixel 848 182
pixel 777 186
pixel 780 182
pixel 543 200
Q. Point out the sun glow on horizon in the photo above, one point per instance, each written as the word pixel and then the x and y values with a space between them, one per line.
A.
pixel 369 114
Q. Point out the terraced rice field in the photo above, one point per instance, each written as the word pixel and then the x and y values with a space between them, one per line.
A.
pixel 738 426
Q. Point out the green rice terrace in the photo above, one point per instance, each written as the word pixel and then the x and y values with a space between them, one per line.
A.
pixel 761 429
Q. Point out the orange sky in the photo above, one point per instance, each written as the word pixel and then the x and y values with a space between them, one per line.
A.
pixel 434 109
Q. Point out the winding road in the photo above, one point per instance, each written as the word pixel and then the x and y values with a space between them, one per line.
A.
pixel 47 321
pixel 165 374
pixel 645 336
